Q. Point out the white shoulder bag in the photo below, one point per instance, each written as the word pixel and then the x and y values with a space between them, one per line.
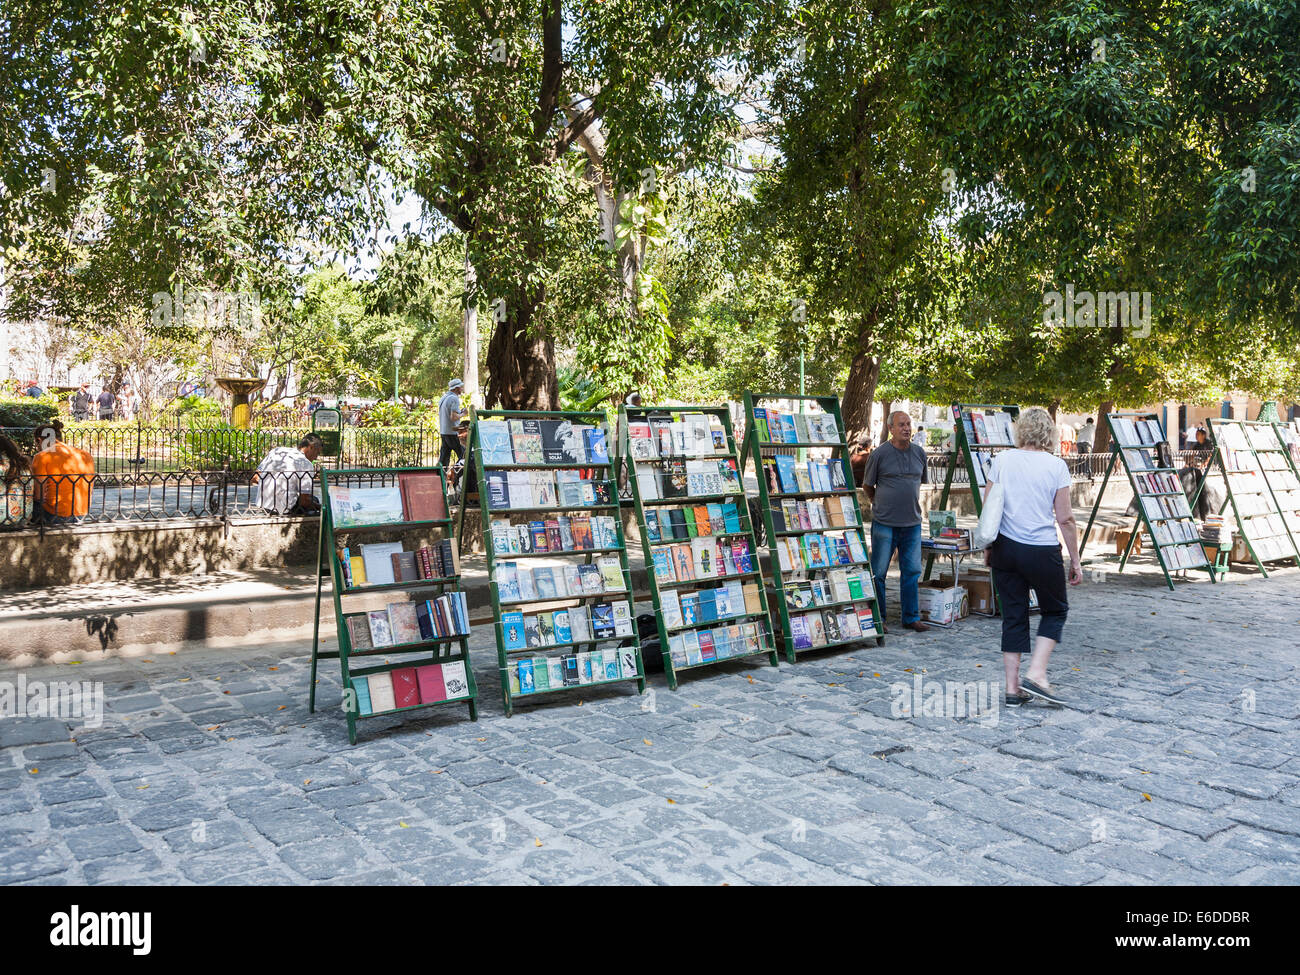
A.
pixel 986 532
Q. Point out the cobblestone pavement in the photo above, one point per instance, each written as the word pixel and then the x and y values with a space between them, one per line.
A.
pixel 1177 763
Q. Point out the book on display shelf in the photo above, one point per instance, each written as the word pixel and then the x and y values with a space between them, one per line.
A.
pixel 683 470
pixel 814 525
pixel 555 573
pixel 388 530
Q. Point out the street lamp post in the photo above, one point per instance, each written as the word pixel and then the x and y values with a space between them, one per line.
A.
pixel 397 357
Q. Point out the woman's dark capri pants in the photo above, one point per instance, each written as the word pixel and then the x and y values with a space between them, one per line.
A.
pixel 1017 568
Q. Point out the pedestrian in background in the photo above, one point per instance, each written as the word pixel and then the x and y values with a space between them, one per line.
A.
pixel 449 417
pixel 107 403
pixel 82 403
pixel 1027 552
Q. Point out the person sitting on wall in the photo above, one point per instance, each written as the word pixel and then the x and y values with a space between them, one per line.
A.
pixel 63 477
pixel 285 477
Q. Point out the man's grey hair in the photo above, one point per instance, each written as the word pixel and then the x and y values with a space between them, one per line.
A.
pixel 311 440
pixel 890 421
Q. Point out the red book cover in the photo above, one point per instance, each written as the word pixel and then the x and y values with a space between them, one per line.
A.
pixel 422 497
pixel 430 681
pixel 406 689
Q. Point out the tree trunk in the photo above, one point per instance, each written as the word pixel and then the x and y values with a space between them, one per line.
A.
pixel 1102 444
pixel 887 406
pixel 1056 405
pixel 521 363
pixel 860 389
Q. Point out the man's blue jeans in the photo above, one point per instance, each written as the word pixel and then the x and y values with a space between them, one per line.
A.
pixel 884 540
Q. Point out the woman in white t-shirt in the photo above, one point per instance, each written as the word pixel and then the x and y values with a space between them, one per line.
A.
pixel 1027 552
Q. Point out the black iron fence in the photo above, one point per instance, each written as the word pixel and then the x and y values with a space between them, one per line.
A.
pixel 133 448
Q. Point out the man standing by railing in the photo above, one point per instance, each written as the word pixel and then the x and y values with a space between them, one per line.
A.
pixel 82 403
pixel 449 416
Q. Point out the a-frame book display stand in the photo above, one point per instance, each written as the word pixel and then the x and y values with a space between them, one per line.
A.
pixel 367 518
pixel 821 577
pixel 1260 522
pixel 700 555
pixel 1277 464
pixel 561 590
pixel 1162 505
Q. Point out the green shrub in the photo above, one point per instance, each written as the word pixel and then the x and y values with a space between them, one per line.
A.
pixel 25 411
pixel 385 415
pixel 209 446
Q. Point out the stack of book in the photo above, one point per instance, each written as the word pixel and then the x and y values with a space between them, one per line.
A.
pixel 541 441
pixel 567 627
pixel 408 687
pixel 533 675
pixel 820 550
pixel 806 429
pixel 409 622
pixel 949 540
pixel 386 563
pixel 1137 431
pixel 785 475
pixel 559 582
pixel 520 582
pixel 564 533
pixel 701 554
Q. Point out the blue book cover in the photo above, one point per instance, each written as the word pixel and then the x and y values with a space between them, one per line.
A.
pixel 424 618
pixel 362 687
pixel 785 470
pixel 560 620
pixel 690 602
pixel 730 517
pixel 663 565
pixel 544 580
pixel 611 665
pixel 708 605
pixel 595 443
pixel 602 621
pixel 512 628
pixel 494 442
pixel 526 685
pixel 652 526
pixel 788 432
pixel 498 495
pixel 508 582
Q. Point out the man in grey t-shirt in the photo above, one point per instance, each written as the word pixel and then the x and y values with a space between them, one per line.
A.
pixel 893 478
pixel 449 414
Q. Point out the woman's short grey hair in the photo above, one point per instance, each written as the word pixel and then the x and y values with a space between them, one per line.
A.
pixel 1034 428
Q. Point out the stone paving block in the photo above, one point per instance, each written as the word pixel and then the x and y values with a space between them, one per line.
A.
pixel 158 817
pixel 336 797
pixel 320 860
pixel 19 864
pixel 1188 793
pixel 292 824
pixel 33 731
pixel 1274 817
pixel 1046 865
pixel 93 842
pixel 1151 867
pixel 221 865
pixel 71 789
pixel 962 833
pixel 132 868
pixel 669 862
